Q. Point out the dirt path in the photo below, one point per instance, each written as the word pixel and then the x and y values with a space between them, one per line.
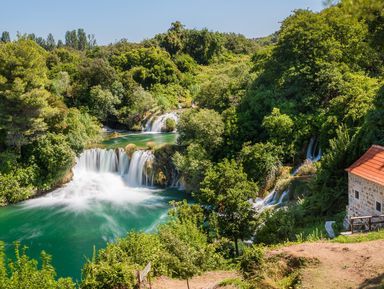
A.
pixel 206 281
pixel 358 265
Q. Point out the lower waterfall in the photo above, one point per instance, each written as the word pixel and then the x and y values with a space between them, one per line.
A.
pixel 104 175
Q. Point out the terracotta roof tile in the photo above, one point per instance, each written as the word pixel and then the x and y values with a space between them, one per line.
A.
pixel 370 165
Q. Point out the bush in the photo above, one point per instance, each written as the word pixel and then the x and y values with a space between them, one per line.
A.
pixel 54 157
pixel 251 262
pixel 11 191
pixel 151 145
pixel 275 226
pixel 130 149
pixel 170 125
pixel 204 127
pixel 23 272
pixel 307 169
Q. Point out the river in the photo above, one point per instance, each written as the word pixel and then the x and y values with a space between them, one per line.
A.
pixel 109 195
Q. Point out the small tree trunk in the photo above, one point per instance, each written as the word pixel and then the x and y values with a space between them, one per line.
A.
pixel 188 283
pixel 236 247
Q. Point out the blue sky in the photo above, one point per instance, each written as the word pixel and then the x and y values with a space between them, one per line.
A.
pixel 135 20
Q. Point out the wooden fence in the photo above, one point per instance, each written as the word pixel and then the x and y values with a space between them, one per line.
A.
pixel 366 223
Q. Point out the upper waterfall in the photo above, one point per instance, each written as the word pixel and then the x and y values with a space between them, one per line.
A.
pixel 158 123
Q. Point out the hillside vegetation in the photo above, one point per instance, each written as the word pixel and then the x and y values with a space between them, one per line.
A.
pixel 251 107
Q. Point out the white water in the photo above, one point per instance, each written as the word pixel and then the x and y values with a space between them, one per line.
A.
pixel 313 151
pixel 137 174
pixel 157 124
pixel 103 176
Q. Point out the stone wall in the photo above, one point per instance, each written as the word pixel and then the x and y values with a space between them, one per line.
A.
pixel 369 194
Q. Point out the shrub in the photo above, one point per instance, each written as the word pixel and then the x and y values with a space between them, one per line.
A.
pixel 307 169
pixel 151 145
pixel 130 149
pixel 251 262
pixel 275 226
pixel 23 272
pixel 170 125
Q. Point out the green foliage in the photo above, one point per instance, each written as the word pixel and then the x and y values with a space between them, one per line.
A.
pixel 261 162
pixel 140 102
pixel 204 127
pixel 192 164
pixel 11 191
pixel 252 261
pixel 170 125
pixel 329 195
pixel 24 273
pixel 358 238
pixel 102 102
pixel 275 226
pixel 179 249
pixel 82 130
pixel 54 157
pixel 23 97
pixel 148 66
pixel 279 127
pixel 170 96
pixel 226 190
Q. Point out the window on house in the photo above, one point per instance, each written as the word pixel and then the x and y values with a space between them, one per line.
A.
pixel 378 206
pixel 357 194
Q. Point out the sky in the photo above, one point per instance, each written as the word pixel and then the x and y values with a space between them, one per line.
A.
pixel 135 20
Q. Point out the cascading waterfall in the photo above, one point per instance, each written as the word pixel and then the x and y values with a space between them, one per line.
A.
pixel 104 175
pixel 103 161
pixel 157 123
pixel 137 173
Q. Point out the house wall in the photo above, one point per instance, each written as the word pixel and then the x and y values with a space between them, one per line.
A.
pixel 369 193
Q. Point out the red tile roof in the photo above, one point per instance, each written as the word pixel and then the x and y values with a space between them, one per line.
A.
pixel 370 165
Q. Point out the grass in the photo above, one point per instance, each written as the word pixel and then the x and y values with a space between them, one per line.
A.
pixel 358 238
pixel 236 282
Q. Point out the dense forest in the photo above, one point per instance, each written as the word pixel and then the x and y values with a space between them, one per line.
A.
pixel 249 109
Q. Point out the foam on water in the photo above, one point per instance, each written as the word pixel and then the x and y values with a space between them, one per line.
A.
pixel 102 176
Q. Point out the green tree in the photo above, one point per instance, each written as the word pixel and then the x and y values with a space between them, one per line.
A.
pixel 53 156
pixel 226 191
pixel 24 100
pixel 5 37
pixel 187 252
pixel 102 103
pixel 192 165
pixel 204 127
pixel 50 43
pixel 261 162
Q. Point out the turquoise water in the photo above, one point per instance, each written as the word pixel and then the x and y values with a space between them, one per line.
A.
pixel 140 139
pixel 69 232
pixel 96 207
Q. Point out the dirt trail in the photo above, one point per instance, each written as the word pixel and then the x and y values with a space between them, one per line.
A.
pixel 339 266
pixel 206 281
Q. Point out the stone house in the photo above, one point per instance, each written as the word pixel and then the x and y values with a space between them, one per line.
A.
pixel 366 184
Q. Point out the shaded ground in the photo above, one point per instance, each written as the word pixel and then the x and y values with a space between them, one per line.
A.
pixel 356 265
pixel 208 280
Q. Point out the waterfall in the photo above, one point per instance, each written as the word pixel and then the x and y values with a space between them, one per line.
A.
pixel 272 199
pixel 134 170
pixel 157 123
pixel 103 161
pixel 103 175
pixel 313 150
pixel 137 173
